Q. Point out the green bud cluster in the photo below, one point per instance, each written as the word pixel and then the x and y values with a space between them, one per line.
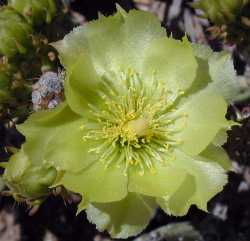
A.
pixel 15 34
pixel 36 12
pixel 221 12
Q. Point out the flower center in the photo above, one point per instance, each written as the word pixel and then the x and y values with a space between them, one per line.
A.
pixel 138 128
pixel 135 122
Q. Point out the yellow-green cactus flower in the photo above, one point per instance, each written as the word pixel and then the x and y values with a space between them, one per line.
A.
pixel 15 32
pixel 35 11
pixel 221 11
pixel 142 123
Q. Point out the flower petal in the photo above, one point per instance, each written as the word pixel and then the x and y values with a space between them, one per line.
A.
pixel 205 116
pixel 53 117
pixel 179 203
pixel 97 184
pixel 55 137
pixel 67 150
pixel 217 154
pixel 202 78
pixel 164 182
pixel 123 38
pixel 204 180
pixel 222 72
pixel 40 127
pixel 125 218
pixel 82 85
pixel 172 61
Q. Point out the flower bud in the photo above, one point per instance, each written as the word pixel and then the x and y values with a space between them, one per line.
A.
pixel 27 180
pixel 15 32
pixel 36 12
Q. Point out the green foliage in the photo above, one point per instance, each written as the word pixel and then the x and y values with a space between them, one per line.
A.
pixel 36 12
pixel 139 127
pixel 15 34
pixel 221 11
pixel 4 88
pixel 231 19
pixel 24 50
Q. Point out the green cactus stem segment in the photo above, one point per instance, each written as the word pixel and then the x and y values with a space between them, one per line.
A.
pixel 135 123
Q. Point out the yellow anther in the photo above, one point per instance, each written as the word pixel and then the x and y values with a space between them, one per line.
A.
pixel 84 138
pixel 131 162
pixel 141 173
pixel 167 146
pixel 125 173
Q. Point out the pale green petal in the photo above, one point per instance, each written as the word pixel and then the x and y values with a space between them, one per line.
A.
pixel 97 184
pixel 55 138
pixel 203 116
pixel 202 51
pixel 164 182
pixel 113 42
pixel 79 40
pixel 223 75
pixel 53 117
pixel 204 181
pixel 125 218
pixel 179 203
pixel 123 41
pixel 39 128
pixel 202 78
pixel 172 62
pixel 67 150
pixel 217 154
pixel 82 86
pixel 221 137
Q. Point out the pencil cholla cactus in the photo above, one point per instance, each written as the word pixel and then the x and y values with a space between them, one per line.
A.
pixel 15 34
pixel 36 12
pixel 141 126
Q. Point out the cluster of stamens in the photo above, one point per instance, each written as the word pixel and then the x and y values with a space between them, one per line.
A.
pixel 135 122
